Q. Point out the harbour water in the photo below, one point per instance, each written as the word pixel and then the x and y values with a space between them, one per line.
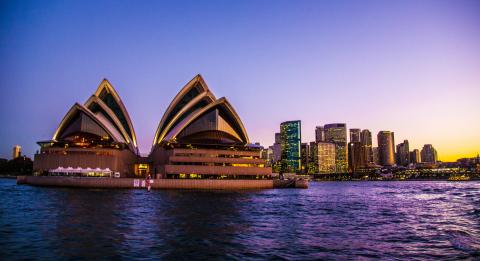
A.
pixel 330 220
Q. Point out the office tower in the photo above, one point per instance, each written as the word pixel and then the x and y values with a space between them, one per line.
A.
pixel 278 138
pixel 277 148
pixel 354 151
pixel 313 158
pixel 326 157
pixel 354 135
pixel 386 149
pixel 366 140
pixel 290 132
pixel 354 156
pixel 375 157
pixel 305 153
pixel 269 157
pixel 429 154
pixel 319 134
pixel 415 156
pixel 403 154
pixel 17 151
pixel 337 133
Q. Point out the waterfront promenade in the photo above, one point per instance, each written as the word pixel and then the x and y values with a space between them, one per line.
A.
pixel 130 183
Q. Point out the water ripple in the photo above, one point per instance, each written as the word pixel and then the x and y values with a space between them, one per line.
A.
pixel 331 220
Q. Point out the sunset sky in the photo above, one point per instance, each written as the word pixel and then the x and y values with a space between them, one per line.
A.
pixel 412 67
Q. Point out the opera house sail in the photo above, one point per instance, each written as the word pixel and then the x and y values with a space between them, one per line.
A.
pixel 202 137
pixel 94 139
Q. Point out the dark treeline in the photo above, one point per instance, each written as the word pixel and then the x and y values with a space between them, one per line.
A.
pixel 19 166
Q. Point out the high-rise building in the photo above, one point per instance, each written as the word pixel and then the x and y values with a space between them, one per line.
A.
pixel 354 156
pixel 403 153
pixel 415 156
pixel 278 138
pixel 375 157
pixel 17 151
pixel 305 153
pixel 290 132
pixel 354 135
pixel 269 155
pixel 313 158
pixel 366 140
pixel 337 133
pixel 319 134
pixel 326 157
pixel 386 149
pixel 429 154
pixel 277 148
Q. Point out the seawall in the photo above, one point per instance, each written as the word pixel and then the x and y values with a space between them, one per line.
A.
pixel 130 183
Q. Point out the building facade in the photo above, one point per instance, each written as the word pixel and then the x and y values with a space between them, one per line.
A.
pixel 290 132
pixel 277 149
pixel 355 156
pixel 305 154
pixel 386 149
pixel 367 149
pixel 312 158
pixel 429 154
pixel 326 157
pixel 16 151
pixel 415 156
pixel 375 156
pixel 354 135
pixel 337 133
pixel 319 134
pixel 403 153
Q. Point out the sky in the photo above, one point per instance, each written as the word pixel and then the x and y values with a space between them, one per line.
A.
pixel 412 67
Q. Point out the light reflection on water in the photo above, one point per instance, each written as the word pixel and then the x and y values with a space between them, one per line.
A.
pixel 335 220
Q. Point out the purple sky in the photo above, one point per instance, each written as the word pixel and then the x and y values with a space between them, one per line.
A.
pixel 412 67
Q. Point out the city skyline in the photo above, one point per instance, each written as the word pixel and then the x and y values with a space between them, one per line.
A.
pixel 415 74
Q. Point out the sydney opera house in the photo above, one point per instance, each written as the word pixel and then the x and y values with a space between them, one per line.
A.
pixel 198 137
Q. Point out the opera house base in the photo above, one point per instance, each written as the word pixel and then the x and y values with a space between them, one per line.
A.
pixel 129 183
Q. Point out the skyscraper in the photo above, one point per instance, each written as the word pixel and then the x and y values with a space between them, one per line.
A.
pixel 375 157
pixel 290 132
pixel 319 134
pixel 354 135
pixel 16 152
pixel 354 156
pixel 415 156
pixel 305 153
pixel 326 157
pixel 429 154
pixel 269 155
pixel 386 149
pixel 337 133
pixel 278 137
pixel 366 140
pixel 403 153
pixel 313 158
pixel 277 148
